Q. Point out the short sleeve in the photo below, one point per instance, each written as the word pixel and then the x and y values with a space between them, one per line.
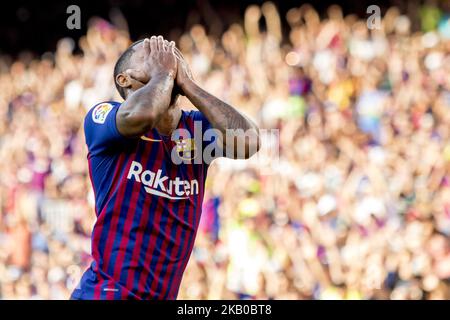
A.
pixel 100 128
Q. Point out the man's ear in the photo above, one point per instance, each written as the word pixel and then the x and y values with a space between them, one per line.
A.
pixel 123 80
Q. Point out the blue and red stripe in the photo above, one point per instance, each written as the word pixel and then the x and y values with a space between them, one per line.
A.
pixel 142 242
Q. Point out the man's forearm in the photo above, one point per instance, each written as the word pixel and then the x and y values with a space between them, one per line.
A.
pixel 142 109
pixel 226 119
pixel 220 114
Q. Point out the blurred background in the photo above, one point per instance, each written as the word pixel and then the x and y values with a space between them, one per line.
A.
pixel 356 207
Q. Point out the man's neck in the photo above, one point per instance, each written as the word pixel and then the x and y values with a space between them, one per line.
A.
pixel 169 120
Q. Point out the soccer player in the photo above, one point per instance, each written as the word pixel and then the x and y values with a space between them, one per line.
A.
pixel 148 207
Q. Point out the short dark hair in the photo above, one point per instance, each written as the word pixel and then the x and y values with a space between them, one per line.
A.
pixel 122 65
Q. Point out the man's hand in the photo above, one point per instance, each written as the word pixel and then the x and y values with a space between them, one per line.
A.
pixel 183 75
pixel 160 59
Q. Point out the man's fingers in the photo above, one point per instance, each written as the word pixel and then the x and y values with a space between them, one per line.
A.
pixel 166 45
pixel 147 46
pixel 160 43
pixel 138 75
pixel 175 51
pixel 153 44
pixel 172 47
pixel 179 55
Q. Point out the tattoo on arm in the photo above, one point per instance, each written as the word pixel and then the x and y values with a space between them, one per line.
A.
pixel 221 115
pixel 224 117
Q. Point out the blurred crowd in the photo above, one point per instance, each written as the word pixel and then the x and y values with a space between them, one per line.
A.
pixel 354 205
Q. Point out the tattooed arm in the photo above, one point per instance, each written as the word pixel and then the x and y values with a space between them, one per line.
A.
pixel 240 135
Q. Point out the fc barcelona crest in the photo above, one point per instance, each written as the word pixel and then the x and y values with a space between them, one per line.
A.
pixel 185 148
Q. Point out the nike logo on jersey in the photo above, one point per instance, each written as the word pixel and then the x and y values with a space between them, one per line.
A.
pixel 149 139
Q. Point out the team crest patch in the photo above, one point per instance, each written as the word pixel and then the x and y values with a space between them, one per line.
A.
pixel 185 148
pixel 100 112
